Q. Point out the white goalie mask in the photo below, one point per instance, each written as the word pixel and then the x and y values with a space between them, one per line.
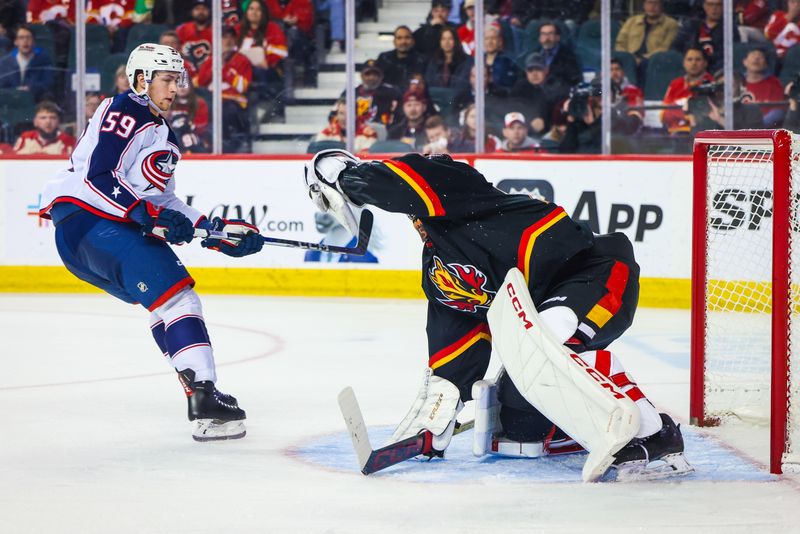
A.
pixel 150 58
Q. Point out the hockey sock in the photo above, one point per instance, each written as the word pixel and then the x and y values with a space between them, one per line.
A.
pixel 159 333
pixel 608 364
pixel 185 337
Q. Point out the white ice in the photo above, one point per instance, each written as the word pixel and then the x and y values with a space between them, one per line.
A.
pixel 95 439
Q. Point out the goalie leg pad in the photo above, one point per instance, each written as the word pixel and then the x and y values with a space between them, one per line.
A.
pixel 573 395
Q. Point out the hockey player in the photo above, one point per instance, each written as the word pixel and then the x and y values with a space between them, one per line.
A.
pixel 115 210
pixel 584 288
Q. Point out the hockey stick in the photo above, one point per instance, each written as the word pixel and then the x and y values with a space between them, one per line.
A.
pixel 364 233
pixel 370 460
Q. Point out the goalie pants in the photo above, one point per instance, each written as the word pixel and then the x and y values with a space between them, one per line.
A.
pixel 601 286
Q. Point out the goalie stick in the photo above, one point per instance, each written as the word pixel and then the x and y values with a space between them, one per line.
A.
pixel 370 460
pixel 364 233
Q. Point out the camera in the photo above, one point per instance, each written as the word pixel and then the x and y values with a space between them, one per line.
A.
pixel 579 98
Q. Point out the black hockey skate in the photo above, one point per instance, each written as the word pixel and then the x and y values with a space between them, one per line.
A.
pixel 656 456
pixel 216 416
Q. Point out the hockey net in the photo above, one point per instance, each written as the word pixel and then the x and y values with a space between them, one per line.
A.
pixel 746 286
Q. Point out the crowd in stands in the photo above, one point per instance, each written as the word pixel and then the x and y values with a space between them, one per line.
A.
pixel 542 90
pixel 542 83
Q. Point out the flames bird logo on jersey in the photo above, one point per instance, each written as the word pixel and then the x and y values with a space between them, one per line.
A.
pixel 463 286
pixel 158 168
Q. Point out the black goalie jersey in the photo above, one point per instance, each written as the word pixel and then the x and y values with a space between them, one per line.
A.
pixel 473 235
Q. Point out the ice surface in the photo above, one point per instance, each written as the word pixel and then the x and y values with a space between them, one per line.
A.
pixel 95 437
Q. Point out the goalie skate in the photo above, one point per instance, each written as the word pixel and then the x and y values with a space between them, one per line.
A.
pixel 653 457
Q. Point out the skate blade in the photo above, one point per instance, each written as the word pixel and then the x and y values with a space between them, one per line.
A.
pixel 213 430
pixel 671 465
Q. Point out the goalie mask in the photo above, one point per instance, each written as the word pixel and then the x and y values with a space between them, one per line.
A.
pixel 151 58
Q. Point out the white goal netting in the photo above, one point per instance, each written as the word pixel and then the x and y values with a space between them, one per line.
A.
pixel 738 323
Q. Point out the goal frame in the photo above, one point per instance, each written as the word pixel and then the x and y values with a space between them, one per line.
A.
pixel 781 142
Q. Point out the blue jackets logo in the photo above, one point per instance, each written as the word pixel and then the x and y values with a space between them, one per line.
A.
pixel 158 168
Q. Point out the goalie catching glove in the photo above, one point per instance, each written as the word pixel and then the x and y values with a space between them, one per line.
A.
pixel 250 241
pixel 322 179
pixel 169 225
pixel 434 411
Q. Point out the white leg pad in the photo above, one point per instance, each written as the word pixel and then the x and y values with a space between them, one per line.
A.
pixel 487 416
pixel 565 389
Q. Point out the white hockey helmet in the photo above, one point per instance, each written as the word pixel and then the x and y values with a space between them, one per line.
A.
pixel 151 57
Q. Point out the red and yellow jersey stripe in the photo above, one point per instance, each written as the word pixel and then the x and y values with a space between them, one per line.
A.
pixel 611 303
pixel 419 185
pixel 529 236
pixel 454 350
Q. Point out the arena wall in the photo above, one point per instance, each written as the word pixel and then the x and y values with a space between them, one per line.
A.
pixel 647 198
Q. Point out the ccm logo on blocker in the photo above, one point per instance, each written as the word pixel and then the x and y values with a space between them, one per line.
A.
pixel 594 373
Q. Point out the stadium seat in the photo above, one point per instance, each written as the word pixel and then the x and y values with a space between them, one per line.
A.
pixel 143 33
pixel 589 34
pixel 316 146
pixel 43 38
pixel 662 68
pixel 390 146
pixel 98 46
pixel 108 72
pixel 740 51
pixel 16 106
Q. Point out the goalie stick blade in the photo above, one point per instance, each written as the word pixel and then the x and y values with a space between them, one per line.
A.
pixel 364 234
pixel 355 425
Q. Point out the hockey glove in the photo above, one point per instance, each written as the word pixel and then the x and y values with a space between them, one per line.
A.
pixel 250 241
pixel 322 179
pixel 170 225
pixel 435 409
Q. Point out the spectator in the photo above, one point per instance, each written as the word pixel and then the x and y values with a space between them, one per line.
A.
pixel 426 37
pixel 464 141
pixel 44 11
pixel 496 96
pixel 121 82
pixel 417 84
pixel 399 64
pixel 411 128
pixel 783 28
pixel 231 15
pixel 560 60
pixel 237 73
pixel 583 133
pixel 260 39
pixel 792 119
pixel 375 100
pixel 46 137
pixel 195 36
pixel 503 68
pixel 626 101
pixel 515 134
pixel 298 24
pixel 92 100
pixel 466 32
pixel 706 112
pixel 538 93
pixel 27 67
pixel 335 9
pixel 518 12
pixel 752 16
pixel 116 16
pixel 438 136
pixel 12 14
pixel 188 118
pixel 449 66
pixel 644 35
pixel 763 87
pixel 336 129
pixel 706 33
pixel 695 65
pixel 454 17
pixel 170 38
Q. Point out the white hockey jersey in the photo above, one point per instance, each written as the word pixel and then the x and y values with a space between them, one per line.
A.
pixel 125 154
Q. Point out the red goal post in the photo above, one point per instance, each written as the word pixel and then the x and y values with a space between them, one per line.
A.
pixel 745 278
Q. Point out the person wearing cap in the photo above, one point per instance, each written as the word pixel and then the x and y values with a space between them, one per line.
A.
pixel 237 74
pixel 449 66
pixel 375 100
pixel 559 58
pixel 400 64
pixel 515 134
pixel 411 128
pixel 466 32
pixel 538 93
pixel 426 37
pixel 195 36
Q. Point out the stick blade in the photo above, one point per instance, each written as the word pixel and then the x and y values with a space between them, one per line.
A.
pixel 354 421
